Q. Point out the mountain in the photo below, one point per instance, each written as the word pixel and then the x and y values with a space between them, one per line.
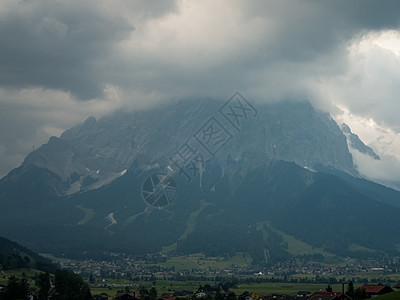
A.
pixel 15 256
pixel 96 152
pixel 356 143
pixel 241 177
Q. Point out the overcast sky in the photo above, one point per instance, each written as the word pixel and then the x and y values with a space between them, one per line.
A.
pixel 64 60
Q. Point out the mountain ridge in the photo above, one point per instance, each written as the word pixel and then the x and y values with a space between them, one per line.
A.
pixel 283 164
pixel 355 142
pixel 96 152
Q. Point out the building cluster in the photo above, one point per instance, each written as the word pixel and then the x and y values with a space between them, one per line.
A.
pixel 128 267
pixel 370 291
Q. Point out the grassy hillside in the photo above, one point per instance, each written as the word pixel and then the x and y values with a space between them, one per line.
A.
pixel 390 296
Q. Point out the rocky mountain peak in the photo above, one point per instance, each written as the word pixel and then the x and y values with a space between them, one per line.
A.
pixel 95 153
pixel 355 142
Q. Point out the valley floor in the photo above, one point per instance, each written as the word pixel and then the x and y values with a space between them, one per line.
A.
pixel 256 284
pixel 169 274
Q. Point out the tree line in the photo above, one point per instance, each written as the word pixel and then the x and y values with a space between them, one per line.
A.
pixel 64 285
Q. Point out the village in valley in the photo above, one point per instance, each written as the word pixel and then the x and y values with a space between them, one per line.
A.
pixel 158 276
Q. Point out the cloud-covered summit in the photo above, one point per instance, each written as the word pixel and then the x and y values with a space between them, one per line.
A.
pixel 61 61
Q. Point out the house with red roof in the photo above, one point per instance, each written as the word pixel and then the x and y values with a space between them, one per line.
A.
pixel 376 290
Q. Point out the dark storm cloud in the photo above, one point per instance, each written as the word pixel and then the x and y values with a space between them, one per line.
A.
pixel 366 14
pixel 58 45
pixel 271 46
pixel 303 29
pixel 70 45
pixel 132 53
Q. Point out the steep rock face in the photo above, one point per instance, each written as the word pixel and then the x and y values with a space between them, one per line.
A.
pixel 88 155
pixel 95 153
pixel 355 142
pixel 295 132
